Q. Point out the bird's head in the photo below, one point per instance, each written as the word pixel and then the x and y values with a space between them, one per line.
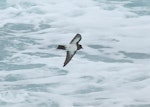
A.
pixel 80 47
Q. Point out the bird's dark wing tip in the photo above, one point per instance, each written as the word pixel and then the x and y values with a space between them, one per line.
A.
pixel 78 34
pixel 76 39
pixel 64 65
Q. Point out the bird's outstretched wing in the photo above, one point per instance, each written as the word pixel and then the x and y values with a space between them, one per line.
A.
pixel 69 56
pixel 76 39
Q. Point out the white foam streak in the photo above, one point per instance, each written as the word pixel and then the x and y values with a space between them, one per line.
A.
pixel 112 69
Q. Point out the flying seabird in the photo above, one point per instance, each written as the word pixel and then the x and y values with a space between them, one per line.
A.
pixel 72 48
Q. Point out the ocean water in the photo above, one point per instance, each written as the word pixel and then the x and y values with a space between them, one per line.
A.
pixel 113 69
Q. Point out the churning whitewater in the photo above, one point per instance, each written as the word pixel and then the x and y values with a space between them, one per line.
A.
pixel 112 69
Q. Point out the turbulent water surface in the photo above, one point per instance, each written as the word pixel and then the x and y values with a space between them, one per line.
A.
pixel 113 69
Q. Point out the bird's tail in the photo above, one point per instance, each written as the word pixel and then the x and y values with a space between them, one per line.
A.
pixel 61 47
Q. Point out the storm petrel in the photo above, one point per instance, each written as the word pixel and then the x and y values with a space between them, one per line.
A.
pixel 72 48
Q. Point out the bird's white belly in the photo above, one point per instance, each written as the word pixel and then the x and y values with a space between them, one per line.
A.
pixel 71 48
